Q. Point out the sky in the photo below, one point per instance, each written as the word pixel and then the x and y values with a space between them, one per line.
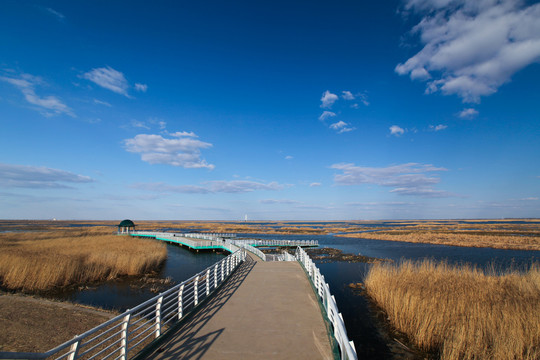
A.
pixel 274 110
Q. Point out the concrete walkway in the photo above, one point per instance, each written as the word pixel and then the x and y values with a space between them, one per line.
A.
pixel 266 310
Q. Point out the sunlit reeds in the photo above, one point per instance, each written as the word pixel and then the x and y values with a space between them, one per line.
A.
pixel 494 240
pixel 461 312
pixel 41 261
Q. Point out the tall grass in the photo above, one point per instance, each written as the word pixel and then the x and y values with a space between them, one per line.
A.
pixel 516 242
pixel 461 312
pixel 43 261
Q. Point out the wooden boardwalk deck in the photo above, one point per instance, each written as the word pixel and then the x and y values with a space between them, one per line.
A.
pixel 266 310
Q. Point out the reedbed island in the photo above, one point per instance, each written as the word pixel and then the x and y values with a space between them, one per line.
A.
pixel 438 310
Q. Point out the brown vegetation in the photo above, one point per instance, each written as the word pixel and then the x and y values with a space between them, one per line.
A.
pixel 468 239
pixel 36 325
pixel 41 261
pixel 461 312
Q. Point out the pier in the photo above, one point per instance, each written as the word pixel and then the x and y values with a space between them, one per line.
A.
pixel 242 307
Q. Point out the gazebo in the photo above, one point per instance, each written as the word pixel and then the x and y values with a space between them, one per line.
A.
pixel 126 226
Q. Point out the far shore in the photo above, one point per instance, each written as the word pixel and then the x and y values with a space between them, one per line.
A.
pixel 515 234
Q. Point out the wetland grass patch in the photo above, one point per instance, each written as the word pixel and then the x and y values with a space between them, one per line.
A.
pixel 43 261
pixel 461 312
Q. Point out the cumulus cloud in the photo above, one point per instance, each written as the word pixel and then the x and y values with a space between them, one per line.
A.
pixel 326 115
pixel 341 127
pixel 396 130
pixel 38 177
pixel 211 187
pixel 406 179
pixel 471 48
pixel 468 113
pixel 183 149
pixel 437 127
pixel 347 95
pixel 328 99
pixel 108 78
pixel 141 87
pixel 47 105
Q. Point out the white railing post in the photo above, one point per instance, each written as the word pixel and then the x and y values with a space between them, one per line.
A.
pixel 73 350
pixel 207 282
pixel 158 316
pixel 124 337
pixel 196 291
pixel 215 277
pixel 222 270
pixel 180 305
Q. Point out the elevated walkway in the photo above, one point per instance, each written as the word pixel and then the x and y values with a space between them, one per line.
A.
pixel 238 308
pixel 267 310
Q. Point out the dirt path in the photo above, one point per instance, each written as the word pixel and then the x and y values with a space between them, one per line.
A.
pixel 36 325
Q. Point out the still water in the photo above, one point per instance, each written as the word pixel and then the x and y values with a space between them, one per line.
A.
pixel 124 294
pixel 359 318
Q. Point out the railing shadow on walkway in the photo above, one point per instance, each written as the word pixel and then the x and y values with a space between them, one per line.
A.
pixel 181 342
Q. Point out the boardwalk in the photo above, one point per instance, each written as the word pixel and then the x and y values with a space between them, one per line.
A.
pixel 267 310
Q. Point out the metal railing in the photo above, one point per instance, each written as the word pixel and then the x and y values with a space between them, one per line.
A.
pixel 129 332
pixel 284 256
pixel 255 242
pixel 346 347
pixel 247 247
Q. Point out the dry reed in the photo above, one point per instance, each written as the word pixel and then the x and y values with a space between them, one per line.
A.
pixel 515 242
pixel 41 261
pixel 461 312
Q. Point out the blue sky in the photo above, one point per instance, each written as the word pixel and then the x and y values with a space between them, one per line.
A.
pixel 279 110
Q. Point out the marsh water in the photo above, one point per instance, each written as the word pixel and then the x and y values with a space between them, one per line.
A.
pixel 360 319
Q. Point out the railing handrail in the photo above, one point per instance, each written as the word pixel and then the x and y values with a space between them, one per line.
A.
pixel 211 275
pixel 346 347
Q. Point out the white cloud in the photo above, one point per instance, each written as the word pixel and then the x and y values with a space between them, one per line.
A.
pixel 423 192
pixel 437 127
pixel 468 113
pixel 341 127
pixel 406 179
pixel 99 102
pixel 289 157
pixel 211 187
pixel 141 87
pixel 39 177
pixel 139 124
pixel 396 130
pixel 471 48
pixel 279 201
pixel 347 95
pixel 109 78
pixel 328 99
pixel 48 105
pixel 182 150
pixel 59 15
pixel 315 184
pixel 326 114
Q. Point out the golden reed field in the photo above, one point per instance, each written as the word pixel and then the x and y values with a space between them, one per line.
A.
pixel 45 260
pixel 460 312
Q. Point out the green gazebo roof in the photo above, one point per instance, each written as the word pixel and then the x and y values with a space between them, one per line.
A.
pixel 126 223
